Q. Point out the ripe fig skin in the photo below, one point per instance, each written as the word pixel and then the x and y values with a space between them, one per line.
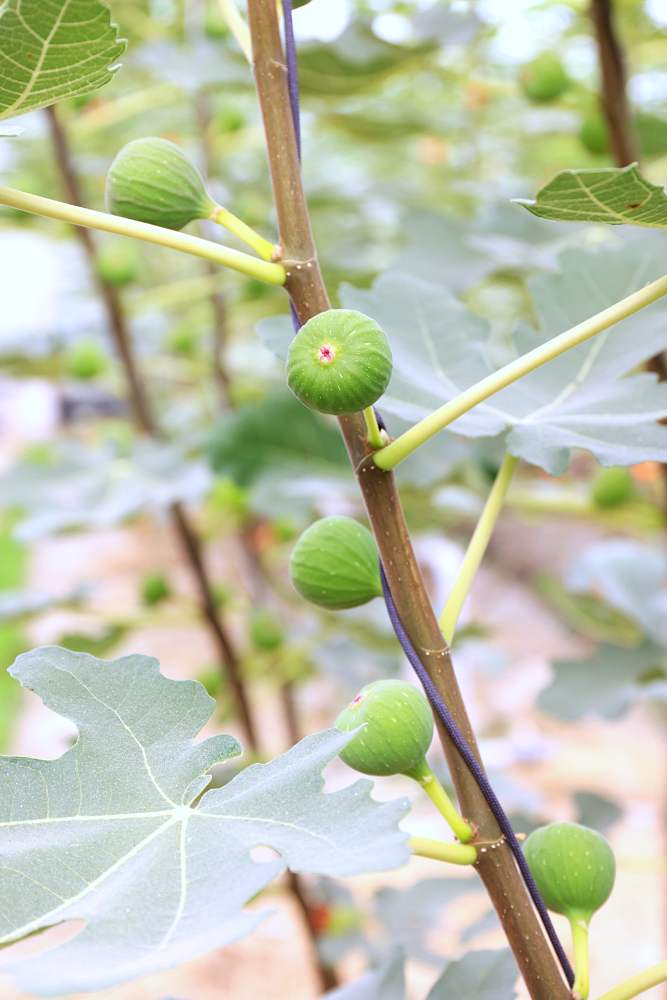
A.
pixel 397 728
pixel 573 866
pixel 152 180
pixel 334 564
pixel 339 362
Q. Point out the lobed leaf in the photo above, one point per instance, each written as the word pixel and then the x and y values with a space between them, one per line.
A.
pixel 615 195
pixel 81 837
pixel 54 49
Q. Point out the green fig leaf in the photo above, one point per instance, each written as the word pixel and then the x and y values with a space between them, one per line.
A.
pixel 479 975
pixel 584 399
pixel 123 808
pixel 52 51
pixel 615 195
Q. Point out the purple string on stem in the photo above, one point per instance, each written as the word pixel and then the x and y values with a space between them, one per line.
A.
pixel 473 765
pixel 437 703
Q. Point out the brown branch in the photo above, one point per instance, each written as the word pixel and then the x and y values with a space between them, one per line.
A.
pixel 613 79
pixel 146 423
pixel 306 288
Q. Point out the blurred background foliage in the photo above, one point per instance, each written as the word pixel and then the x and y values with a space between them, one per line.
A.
pixel 421 121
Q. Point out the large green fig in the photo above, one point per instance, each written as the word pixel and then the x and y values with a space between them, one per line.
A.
pixel 152 180
pixel 335 564
pixel 339 362
pixel 544 78
pixel 397 728
pixel 573 867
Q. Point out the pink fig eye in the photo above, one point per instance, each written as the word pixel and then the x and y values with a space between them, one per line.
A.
pixel 355 701
pixel 326 354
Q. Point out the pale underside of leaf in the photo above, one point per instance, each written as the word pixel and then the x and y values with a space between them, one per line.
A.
pixel 614 195
pixel 114 832
pixel 54 49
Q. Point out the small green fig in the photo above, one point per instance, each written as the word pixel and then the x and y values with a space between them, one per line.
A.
pixel 334 564
pixel 339 362
pixel 612 487
pixel 594 134
pixel 85 359
pixel 265 631
pixel 397 728
pixel 118 263
pixel 152 180
pixel 155 588
pixel 573 866
pixel 544 78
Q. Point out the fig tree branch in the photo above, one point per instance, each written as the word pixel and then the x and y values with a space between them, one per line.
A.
pixel 309 296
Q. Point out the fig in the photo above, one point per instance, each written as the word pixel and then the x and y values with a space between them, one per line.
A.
pixel 85 359
pixel 155 589
pixel 573 867
pixel 594 135
pixel 339 362
pixel 118 263
pixel 265 631
pixel 334 564
pixel 612 487
pixel 152 180
pixel 397 728
pixel 544 78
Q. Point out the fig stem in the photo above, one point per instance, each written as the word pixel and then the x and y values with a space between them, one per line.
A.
pixel 424 776
pixel 439 850
pixel 237 26
pixel 638 984
pixel 272 274
pixel 238 227
pixel 393 454
pixel 374 436
pixel 579 930
pixel 477 547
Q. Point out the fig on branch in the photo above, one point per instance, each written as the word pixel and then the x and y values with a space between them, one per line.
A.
pixel 85 359
pixel 152 180
pixel 544 78
pixel 118 263
pixel 155 588
pixel 339 362
pixel 397 728
pixel 612 487
pixel 573 866
pixel 334 564
pixel 265 631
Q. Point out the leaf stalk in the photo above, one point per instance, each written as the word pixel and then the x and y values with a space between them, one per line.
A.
pixel 439 850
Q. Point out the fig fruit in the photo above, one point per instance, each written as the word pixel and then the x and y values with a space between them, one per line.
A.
pixel 265 631
pixel 544 78
pixel 397 728
pixel 594 135
pixel 118 263
pixel 85 359
pixel 339 362
pixel 612 487
pixel 334 564
pixel 573 867
pixel 152 180
pixel 155 589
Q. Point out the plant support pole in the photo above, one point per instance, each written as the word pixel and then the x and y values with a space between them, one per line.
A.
pixel 304 283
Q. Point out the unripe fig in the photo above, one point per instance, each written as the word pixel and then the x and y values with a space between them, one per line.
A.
pixel 155 589
pixel 266 632
pixel 339 362
pixel 544 78
pixel 152 180
pixel 612 487
pixel 594 134
pixel 335 564
pixel 574 868
pixel 118 263
pixel 85 359
pixel 397 728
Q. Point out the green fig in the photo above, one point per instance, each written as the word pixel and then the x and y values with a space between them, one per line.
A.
pixel 85 359
pixel 612 487
pixel 594 134
pixel 118 263
pixel 339 362
pixel 397 728
pixel 265 631
pixel 334 564
pixel 573 866
pixel 544 78
pixel 155 588
pixel 152 180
